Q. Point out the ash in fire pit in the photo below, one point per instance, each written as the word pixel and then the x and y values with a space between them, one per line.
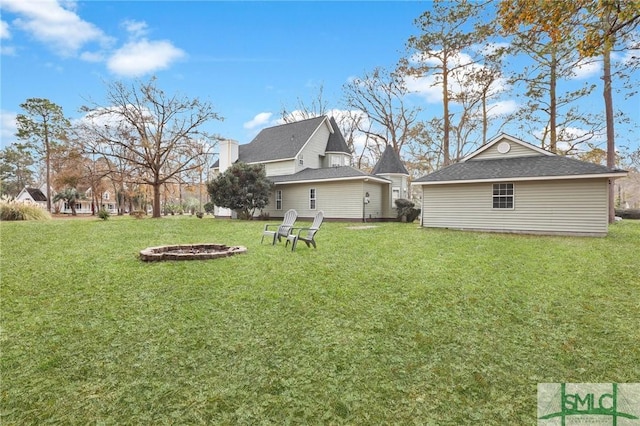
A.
pixel 189 252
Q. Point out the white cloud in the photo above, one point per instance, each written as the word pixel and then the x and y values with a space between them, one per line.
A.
pixel 502 108
pixel 53 24
pixel 586 68
pixel 136 29
pixel 258 121
pixel 142 57
pixel 4 30
pixel 8 127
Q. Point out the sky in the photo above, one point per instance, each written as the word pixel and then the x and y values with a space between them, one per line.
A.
pixel 248 59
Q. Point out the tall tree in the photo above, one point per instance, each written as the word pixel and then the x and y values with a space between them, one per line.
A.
pixel 43 125
pixel 447 29
pixel 16 161
pixel 153 131
pixel 599 26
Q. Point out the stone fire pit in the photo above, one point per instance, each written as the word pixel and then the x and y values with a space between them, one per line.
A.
pixel 189 252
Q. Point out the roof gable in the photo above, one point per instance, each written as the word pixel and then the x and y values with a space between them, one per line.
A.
pixel 389 163
pixel 336 142
pixel 36 194
pixel 281 142
pixel 504 146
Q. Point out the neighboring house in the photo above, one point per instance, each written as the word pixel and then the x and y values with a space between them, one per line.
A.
pixel 310 165
pixel 511 186
pixel 85 204
pixel 34 195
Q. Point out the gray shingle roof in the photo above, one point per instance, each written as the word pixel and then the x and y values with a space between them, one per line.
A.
pixel 343 172
pixel 538 166
pixel 279 142
pixel 336 141
pixel 389 162
pixel 36 194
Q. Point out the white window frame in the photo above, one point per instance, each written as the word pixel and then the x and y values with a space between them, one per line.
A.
pixel 504 193
pixel 301 160
pixel 278 199
pixel 313 196
pixel 395 190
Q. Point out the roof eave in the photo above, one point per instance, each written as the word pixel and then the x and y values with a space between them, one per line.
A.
pixel 614 175
pixel 362 178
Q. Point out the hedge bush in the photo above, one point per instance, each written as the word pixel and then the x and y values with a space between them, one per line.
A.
pixel 406 210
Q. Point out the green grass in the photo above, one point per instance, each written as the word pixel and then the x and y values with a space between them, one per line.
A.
pixel 390 325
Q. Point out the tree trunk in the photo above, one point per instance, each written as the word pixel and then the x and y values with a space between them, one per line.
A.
pixel 608 108
pixel 445 105
pixel 553 137
pixel 156 199
pixel 47 155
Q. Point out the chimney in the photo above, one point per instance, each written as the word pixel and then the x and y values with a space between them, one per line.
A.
pixel 228 153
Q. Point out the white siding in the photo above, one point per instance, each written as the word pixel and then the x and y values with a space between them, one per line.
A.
pixel 314 149
pixel 338 200
pixel 563 206
pixel 516 150
pixel 280 168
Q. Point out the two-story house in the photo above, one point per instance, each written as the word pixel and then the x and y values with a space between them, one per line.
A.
pixel 310 165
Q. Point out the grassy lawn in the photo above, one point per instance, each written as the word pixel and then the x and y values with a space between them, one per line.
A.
pixel 393 324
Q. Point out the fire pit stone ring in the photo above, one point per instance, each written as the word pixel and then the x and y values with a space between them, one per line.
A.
pixel 189 252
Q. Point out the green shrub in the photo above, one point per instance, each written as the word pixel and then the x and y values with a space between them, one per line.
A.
pixel 103 214
pixel 209 207
pixel 11 209
pixel 628 213
pixel 406 210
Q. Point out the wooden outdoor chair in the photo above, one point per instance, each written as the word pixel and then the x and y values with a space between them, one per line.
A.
pixel 307 235
pixel 283 230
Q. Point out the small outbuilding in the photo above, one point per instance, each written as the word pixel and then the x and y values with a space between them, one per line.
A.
pixel 509 185
pixel 34 195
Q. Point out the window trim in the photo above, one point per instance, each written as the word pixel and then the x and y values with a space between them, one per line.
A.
pixel 393 191
pixel 506 195
pixel 313 197
pixel 278 199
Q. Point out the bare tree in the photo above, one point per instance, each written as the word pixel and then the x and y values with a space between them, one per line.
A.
pixel 380 96
pixel 155 132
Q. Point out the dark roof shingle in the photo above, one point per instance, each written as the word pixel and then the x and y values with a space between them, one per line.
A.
pixel 389 162
pixel 516 167
pixel 328 173
pixel 279 142
pixel 336 142
pixel 36 194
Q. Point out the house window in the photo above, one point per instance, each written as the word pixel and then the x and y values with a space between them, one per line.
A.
pixel 336 161
pixel 279 200
pixel 395 194
pixel 301 160
pixel 503 196
pixel 105 196
pixel 312 199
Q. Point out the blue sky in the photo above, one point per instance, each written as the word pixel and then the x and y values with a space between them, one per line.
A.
pixel 249 59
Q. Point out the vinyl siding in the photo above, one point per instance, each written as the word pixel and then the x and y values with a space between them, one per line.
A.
pixel 516 150
pixel 564 206
pixel 279 168
pixel 314 149
pixel 338 200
